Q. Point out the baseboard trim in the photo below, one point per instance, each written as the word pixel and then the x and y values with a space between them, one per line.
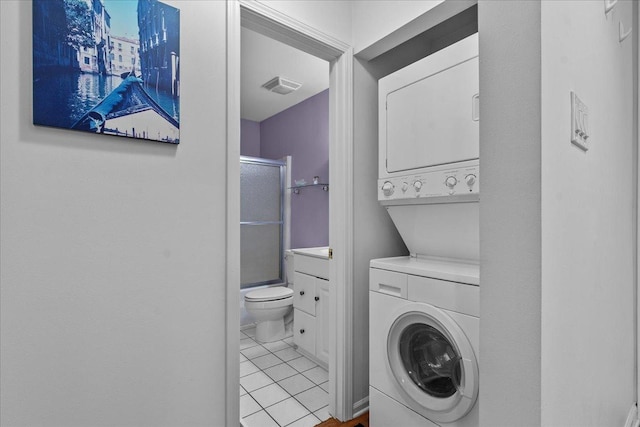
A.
pixel 360 407
pixel 248 326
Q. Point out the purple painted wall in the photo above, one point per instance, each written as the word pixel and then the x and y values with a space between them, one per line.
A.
pixel 249 138
pixel 302 132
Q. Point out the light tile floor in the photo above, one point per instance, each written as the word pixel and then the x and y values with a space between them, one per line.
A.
pixel 278 386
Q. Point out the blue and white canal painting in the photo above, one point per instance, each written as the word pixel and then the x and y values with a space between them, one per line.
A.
pixel 107 66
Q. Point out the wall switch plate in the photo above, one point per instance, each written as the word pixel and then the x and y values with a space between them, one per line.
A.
pixel 579 122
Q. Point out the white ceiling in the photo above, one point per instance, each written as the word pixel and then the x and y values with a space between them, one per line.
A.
pixel 263 59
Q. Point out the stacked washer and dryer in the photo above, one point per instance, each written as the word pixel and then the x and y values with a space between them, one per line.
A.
pixel 424 308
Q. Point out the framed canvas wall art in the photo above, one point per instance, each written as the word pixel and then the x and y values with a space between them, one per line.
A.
pixel 107 66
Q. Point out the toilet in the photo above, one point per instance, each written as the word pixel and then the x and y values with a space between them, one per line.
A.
pixel 269 306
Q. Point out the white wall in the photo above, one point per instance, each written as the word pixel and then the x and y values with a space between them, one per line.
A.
pixel 332 17
pixel 373 20
pixel 509 34
pixel 113 252
pixel 588 218
pixel 557 224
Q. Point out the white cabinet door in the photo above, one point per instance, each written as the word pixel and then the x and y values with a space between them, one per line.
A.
pixel 304 292
pixel 304 331
pixel 322 320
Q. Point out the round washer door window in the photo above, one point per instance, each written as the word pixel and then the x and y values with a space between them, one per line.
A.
pixel 430 359
pixel 433 362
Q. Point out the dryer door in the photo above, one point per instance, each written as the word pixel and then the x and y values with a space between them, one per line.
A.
pixel 433 362
pixel 430 121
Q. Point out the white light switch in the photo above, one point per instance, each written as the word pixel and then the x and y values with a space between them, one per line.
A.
pixel 579 122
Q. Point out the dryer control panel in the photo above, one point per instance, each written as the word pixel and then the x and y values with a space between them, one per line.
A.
pixel 444 183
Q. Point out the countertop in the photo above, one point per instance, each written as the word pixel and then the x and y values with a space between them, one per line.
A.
pixel 320 252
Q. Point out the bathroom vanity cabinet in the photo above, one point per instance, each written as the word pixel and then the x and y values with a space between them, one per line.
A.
pixel 311 303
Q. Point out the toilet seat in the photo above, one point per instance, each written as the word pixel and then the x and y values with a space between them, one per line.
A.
pixel 269 294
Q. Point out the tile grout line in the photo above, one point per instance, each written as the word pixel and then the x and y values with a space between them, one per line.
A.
pixel 303 405
pixel 285 362
pixel 295 421
pixel 276 382
pixel 310 412
pixel 262 408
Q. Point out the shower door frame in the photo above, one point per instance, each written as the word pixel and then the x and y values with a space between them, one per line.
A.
pixel 265 20
pixel 282 165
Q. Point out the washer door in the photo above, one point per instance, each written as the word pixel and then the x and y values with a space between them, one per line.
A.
pixel 433 362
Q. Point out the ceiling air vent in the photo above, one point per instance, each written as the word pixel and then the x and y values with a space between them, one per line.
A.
pixel 281 85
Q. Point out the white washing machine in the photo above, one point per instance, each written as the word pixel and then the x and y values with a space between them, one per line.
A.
pixel 424 308
pixel 423 337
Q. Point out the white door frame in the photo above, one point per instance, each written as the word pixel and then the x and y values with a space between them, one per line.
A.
pixel 636 166
pixel 637 171
pixel 272 23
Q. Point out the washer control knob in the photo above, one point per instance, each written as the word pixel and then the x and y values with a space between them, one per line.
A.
pixel 387 188
pixel 405 186
pixel 451 182
pixel 417 185
pixel 470 180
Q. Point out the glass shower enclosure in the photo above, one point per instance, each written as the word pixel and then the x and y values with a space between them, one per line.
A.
pixel 262 190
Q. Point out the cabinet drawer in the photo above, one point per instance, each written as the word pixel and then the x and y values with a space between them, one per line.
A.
pixel 313 266
pixel 304 331
pixel 388 282
pixel 304 291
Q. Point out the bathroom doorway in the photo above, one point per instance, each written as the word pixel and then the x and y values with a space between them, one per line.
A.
pixel 265 20
pixel 284 127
